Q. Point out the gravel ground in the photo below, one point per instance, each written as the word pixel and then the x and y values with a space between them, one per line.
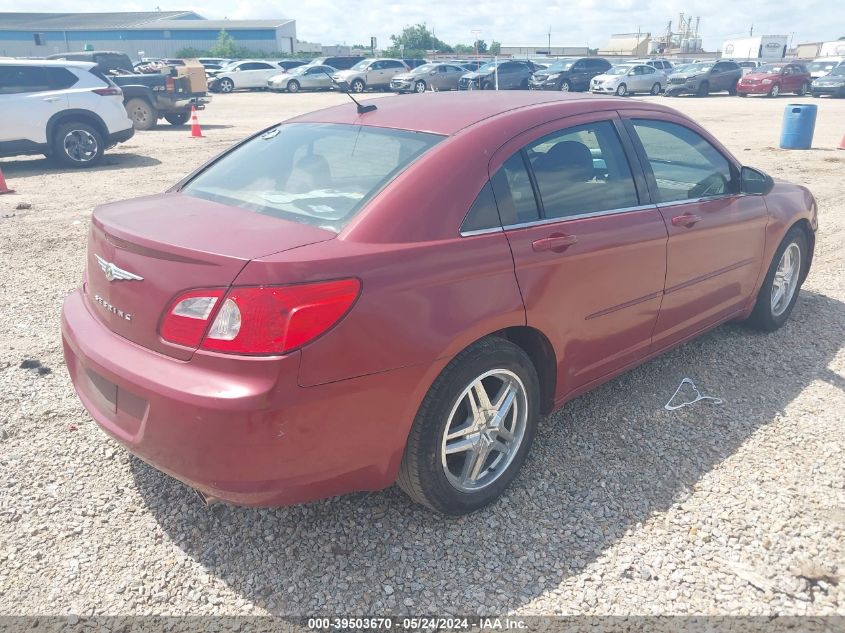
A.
pixel 622 508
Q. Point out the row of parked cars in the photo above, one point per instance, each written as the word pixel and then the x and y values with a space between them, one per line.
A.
pixel 595 74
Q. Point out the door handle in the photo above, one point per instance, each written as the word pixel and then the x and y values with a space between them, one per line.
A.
pixel 686 220
pixel 556 242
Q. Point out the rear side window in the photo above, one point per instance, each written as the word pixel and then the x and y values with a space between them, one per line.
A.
pixel 685 166
pixel 61 78
pixel 514 192
pixel 483 213
pixel 313 173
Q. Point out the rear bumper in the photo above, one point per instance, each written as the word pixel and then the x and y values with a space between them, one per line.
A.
pixel 121 136
pixel 241 429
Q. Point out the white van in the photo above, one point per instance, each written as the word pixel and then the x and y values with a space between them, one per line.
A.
pixel 821 66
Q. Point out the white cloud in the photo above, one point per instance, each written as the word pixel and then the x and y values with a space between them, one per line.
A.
pixel 578 22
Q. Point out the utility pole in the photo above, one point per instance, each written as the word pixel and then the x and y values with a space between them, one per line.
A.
pixel 550 42
pixel 476 33
pixel 751 32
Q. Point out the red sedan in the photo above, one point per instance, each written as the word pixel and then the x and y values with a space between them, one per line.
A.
pixel 351 299
pixel 773 79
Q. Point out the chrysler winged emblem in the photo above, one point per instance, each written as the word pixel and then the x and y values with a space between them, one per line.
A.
pixel 113 273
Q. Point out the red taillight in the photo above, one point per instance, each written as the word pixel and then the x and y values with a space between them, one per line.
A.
pixel 169 84
pixel 108 92
pixel 259 320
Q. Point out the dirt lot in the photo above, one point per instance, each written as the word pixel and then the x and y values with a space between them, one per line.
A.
pixel 622 507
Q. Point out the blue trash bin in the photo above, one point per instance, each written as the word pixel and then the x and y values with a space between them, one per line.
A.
pixel 799 123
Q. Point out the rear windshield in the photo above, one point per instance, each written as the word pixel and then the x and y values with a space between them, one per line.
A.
pixel 314 173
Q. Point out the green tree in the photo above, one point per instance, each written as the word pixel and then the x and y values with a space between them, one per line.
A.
pixel 480 46
pixel 464 49
pixel 418 38
pixel 495 47
pixel 225 45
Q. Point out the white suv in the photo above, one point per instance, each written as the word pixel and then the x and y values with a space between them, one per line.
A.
pixel 65 110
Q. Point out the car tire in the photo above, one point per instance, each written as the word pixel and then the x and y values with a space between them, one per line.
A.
pixel 420 87
pixel 434 478
pixel 621 90
pixel 565 86
pixel 774 91
pixel 488 85
pixel 177 118
pixel 703 89
pixel 142 113
pixel 742 94
pixel 357 86
pixel 77 144
pixel 655 89
pixel 803 90
pixel 732 91
pixel 293 86
pixel 226 85
pixel 787 271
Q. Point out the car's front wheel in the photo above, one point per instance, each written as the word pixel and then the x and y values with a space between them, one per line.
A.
pixel 774 91
pixel 805 88
pixel 226 85
pixel 473 429
pixel 420 87
pixel 357 86
pixel 655 89
pixel 78 144
pixel 779 291
pixel 293 86
pixel 621 90
pixel 565 86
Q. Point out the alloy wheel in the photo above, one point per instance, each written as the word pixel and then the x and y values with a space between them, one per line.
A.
pixel 775 91
pixel 80 146
pixel 419 86
pixel 564 87
pixel 485 429
pixel 227 86
pixel 786 279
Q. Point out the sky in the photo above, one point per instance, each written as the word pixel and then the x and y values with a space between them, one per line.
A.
pixel 577 22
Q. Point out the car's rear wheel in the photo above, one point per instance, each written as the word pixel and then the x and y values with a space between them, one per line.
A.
pixel 655 89
pixel 565 86
pixel 293 85
pixel 804 89
pixel 621 90
pixel 420 87
pixel 774 91
pixel 357 86
pixel 226 85
pixel 78 144
pixel 703 89
pixel 142 113
pixel 177 118
pixel 780 288
pixel 732 90
pixel 473 429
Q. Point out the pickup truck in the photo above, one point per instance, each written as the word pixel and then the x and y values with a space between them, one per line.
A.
pixel 147 97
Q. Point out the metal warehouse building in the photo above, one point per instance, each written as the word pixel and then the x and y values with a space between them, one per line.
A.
pixel 157 34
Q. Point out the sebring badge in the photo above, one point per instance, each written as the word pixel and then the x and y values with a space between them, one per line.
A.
pixel 113 273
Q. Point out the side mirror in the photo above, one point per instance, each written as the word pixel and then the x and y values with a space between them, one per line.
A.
pixel 433 72
pixel 755 182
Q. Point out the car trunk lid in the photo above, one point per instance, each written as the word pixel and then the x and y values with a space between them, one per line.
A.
pixel 143 253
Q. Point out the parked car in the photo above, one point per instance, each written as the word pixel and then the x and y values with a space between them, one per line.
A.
pixel 510 75
pixel 410 288
pixel 704 78
pixel 569 74
pixel 660 64
pixel 303 78
pixel 219 62
pixel 248 73
pixel 628 79
pixel 69 111
pixel 288 64
pixel 773 79
pixel 435 76
pixel 823 65
pixel 749 65
pixel 340 63
pixel 414 62
pixel 469 64
pixel 371 74
pixel 832 84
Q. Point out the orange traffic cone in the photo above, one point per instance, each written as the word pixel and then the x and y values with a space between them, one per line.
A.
pixel 3 187
pixel 841 143
pixel 196 131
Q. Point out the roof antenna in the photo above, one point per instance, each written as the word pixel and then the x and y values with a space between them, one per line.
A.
pixel 362 109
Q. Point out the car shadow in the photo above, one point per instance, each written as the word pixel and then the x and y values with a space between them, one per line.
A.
pixel 38 166
pixel 605 463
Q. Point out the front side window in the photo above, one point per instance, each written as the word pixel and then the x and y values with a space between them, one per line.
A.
pixel 685 166
pixel 313 173
pixel 582 169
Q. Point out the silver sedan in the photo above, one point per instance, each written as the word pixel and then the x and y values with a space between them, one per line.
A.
pixel 428 77
pixel 625 79
pixel 303 78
